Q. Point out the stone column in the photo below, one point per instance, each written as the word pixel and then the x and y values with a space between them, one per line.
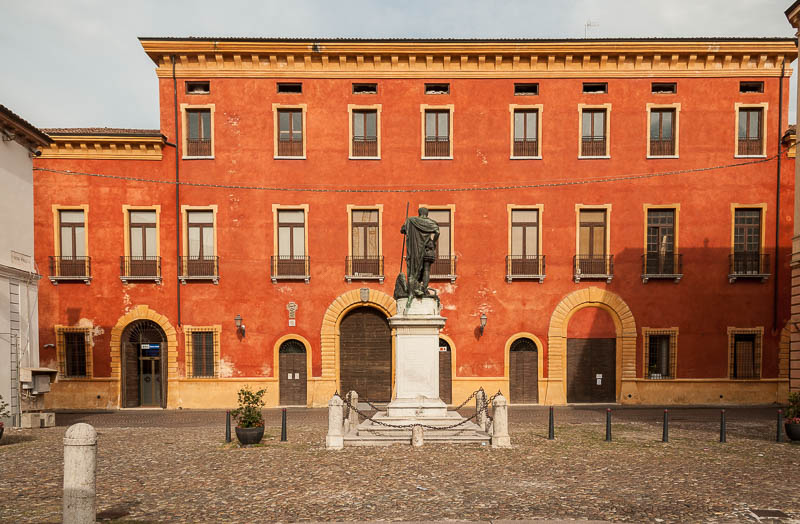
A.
pixel 352 416
pixel 335 439
pixel 80 461
pixel 500 437
pixel 416 436
pixel 480 402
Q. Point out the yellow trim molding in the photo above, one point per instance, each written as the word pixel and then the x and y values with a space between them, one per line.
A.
pixel 355 107
pixel 540 211
pixel 110 147
pixel 758 331
pixel 62 355
pixel 284 207
pixel 539 108
pixel 303 110
pixel 673 342
pixel 57 226
pixel 276 364
pixel 764 134
pixel 185 130
pixel 185 225
pixel 216 329
pixel 126 224
pixel 426 107
pixel 584 207
pixel 354 207
pixel 676 127
pixel 581 108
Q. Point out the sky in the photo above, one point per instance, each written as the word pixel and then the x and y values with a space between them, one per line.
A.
pixel 78 63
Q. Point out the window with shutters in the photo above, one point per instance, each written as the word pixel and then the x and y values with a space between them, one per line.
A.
pixel 290 131
pixel 744 355
pixel 202 351
pixel 750 130
pixel 74 352
pixel 198 131
pixel 660 353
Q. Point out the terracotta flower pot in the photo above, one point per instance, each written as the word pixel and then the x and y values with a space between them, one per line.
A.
pixel 249 436
pixel 792 431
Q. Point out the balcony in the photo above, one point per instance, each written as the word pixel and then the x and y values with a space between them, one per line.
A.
pixel 199 268
pixel 437 146
pixel 287 267
pixel 140 268
pixel 364 268
pixel 290 148
pixel 593 267
pixel 662 147
pixel 750 147
pixel 444 268
pixel 593 146
pixel 70 269
pixel 525 267
pixel 198 147
pixel 749 266
pixel 657 266
pixel 523 148
pixel 365 146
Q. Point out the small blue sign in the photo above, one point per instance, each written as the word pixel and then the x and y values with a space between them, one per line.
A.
pixel 150 350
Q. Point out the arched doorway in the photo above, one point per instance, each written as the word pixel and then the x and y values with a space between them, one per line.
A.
pixel 293 373
pixel 591 356
pixel 144 365
pixel 523 373
pixel 365 354
pixel 445 372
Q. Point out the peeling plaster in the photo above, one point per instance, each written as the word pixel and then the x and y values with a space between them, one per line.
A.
pixel 94 331
pixel 225 368
pixel 266 370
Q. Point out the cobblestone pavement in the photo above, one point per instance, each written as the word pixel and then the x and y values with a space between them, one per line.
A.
pixel 175 466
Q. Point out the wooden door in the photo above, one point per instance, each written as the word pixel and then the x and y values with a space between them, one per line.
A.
pixel 131 371
pixel 591 370
pixel 293 373
pixel 365 355
pixel 523 373
pixel 445 372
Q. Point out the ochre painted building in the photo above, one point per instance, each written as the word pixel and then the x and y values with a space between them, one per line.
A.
pixel 609 207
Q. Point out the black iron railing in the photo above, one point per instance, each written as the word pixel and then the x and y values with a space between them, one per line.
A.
pixel 437 146
pixel 749 264
pixel 287 266
pixel 666 265
pixel 198 147
pixel 750 147
pixel 444 267
pixel 593 146
pixel 525 266
pixel 65 268
pixel 660 147
pixel 593 266
pixel 523 147
pixel 199 267
pixel 365 146
pixel 369 266
pixel 290 148
pixel 140 267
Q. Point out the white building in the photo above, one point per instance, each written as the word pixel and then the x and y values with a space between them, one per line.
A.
pixel 19 278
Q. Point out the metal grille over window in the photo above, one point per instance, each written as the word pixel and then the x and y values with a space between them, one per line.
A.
pixel 203 354
pixel 593 134
pixel 437 133
pixel 198 142
pixel 745 353
pixel 750 136
pixel 660 353
pixel 290 132
pixel 526 133
pixel 75 352
pixel 365 133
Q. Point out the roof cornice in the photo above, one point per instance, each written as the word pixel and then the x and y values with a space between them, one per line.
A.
pixel 15 128
pixel 470 58
pixel 105 147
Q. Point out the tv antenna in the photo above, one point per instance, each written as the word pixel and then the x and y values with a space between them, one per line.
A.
pixel 589 24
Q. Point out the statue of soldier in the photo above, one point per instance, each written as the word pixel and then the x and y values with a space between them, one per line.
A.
pixel 422 235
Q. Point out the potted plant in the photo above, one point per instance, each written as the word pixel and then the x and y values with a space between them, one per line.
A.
pixel 248 416
pixel 792 420
pixel 3 414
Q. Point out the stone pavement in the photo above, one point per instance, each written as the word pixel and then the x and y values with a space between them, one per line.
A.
pixel 174 466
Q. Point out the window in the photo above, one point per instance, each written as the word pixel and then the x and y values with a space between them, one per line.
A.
pixel 662 132
pixel 198 141
pixel 72 261
pixel 524 259
pixel 143 260
pixel 74 352
pixel 592 260
pixel 365 259
pixel 751 87
pixel 526 133
pixel 661 258
pixel 437 133
pixel 197 88
pixel 291 260
pixel 290 132
pixel 526 89
pixel 365 133
pixel 202 351
pixel 290 87
pixel 660 349
pixel 200 261
pixel 750 141
pixel 747 258
pixel 437 89
pixel 745 352
pixel 593 133
pixel 595 87
pixel 444 265
pixel 365 89
pixel 664 88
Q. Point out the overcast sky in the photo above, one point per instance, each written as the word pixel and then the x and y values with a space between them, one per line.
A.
pixel 77 63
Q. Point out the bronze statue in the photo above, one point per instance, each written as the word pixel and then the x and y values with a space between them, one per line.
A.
pixel 421 237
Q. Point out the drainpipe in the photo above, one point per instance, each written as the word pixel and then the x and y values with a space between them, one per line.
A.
pixel 777 205
pixel 178 187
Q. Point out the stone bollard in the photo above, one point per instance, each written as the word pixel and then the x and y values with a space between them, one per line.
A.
pixel 80 460
pixel 480 401
pixel 353 416
pixel 416 436
pixel 335 439
pixel 500 437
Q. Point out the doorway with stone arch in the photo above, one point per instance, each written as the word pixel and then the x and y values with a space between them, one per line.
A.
pixel 144 365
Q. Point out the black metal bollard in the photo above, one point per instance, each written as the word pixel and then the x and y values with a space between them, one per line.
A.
pixel 722 429
pixel 665 434
pixel 779 428
pixel 227 426
pixel 551 432
pixel 283 425
pixel 608 425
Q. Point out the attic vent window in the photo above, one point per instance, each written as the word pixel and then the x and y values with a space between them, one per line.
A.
pixel 595 87
pixel 295 88
pixel 365 89
pixel 437 89
pixel 526 89
pixel 751 87
pixel 197 88
pixel 664 88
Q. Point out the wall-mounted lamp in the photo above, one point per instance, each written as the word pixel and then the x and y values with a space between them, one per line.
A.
pixel 483 322
pixel 239 326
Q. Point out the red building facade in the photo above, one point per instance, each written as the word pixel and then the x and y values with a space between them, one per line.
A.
pixel 617 211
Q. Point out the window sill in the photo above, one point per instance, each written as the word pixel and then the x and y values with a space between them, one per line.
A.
pixel 662 156
pixel 436 158
pixel 289 157
pixel 198 157
pixel 525 157
pixel 364 157
pixel 749 156
pixel 594 157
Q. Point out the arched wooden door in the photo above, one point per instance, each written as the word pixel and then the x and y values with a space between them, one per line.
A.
pixel 445 372
pixel 144 365
pixel 523 373
pixel 293 373
pixel 365 355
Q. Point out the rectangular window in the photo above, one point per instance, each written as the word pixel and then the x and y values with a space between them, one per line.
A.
pixel 595 87
pixel 526 89
pixel 662 132
pixel 197 88
pixel 660 242
pixel 443 265
pixel 591 257
pixel 365 89
pixel 526 132
pixel 143 260
pixel 750 135
pixel 747 242
pixel 290 132
pixel 437 133
pixel 291 257
pixel 72 239
pixel 751 87
pixel 745 353
pixel 203 354
pixel 525 259
pixel 365 232
pixel 290 87
pixel 75 353
pixel 437 89
pixel 198 141
pixel 660 353
pixel 201 259
pixel 664 88
pixel 593 132
pixel 365 133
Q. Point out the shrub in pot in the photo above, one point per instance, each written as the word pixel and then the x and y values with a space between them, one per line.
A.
pixel 248 416
pixel 792 420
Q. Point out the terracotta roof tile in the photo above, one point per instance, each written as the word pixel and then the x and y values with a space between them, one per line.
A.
pixel 101 131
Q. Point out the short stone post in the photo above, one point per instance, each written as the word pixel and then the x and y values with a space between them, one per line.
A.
pixel 416 436
pixel 480 402
pixel 500 437
pixel 80 461
pixel 335 439
pixel 353 416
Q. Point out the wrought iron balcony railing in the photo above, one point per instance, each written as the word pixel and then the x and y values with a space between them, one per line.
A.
pixel 198 147
pixel 748 265
pixel 288 267
pixel 366 146
pixel 656 265
pixel 199 268
pixel 66 269
pixel 522 267
pixel 140 268
pixel 523 147
pixel 593 146
pixel 364 268
pixel 593 267
pixel 660 147
pixel 444 268
pixel 750 147
pixel 437 146
pixel 290 148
